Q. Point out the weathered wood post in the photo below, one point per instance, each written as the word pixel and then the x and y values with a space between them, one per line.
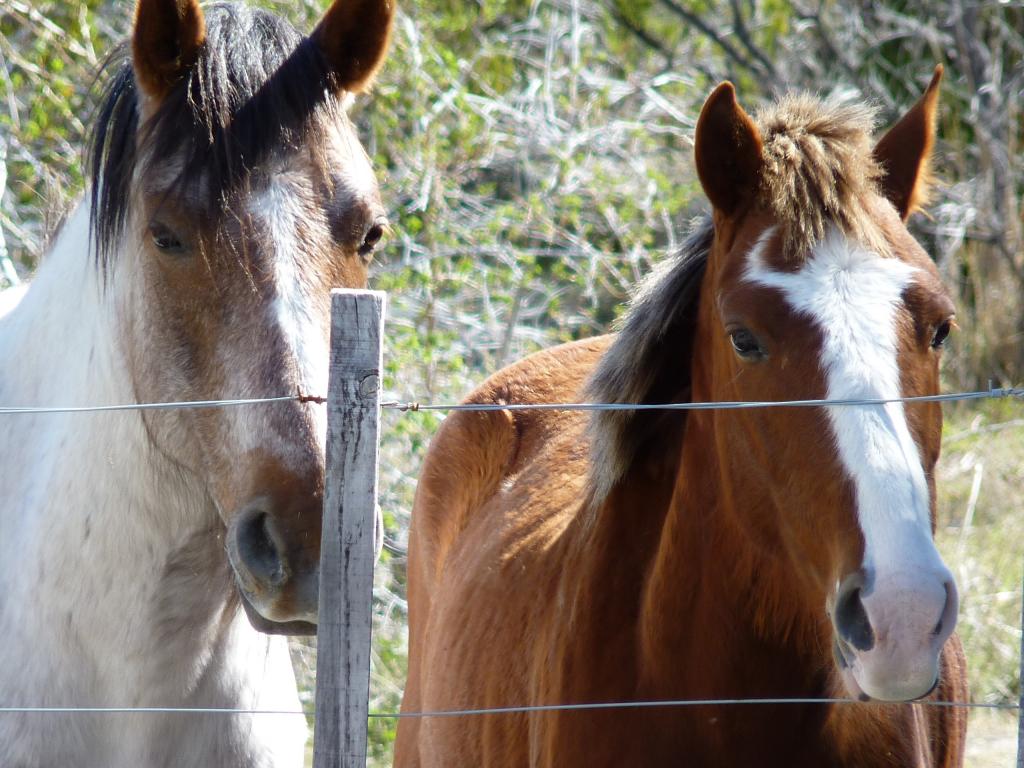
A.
pixel 347 546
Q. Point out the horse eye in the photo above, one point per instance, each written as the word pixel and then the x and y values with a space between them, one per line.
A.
pixel 372 237
pixel 165 240
pixel 746 344
pixel 941 333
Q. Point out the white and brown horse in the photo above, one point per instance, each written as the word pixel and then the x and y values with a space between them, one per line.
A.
pixel 229 194
pixel 763 553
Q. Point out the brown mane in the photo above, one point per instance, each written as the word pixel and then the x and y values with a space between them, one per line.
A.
pixel 818 168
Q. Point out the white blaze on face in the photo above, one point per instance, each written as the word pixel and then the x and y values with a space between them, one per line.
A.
pixel 280 211
pixel 853 296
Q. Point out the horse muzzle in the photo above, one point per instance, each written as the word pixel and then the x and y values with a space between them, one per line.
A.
pixel 889 631
pixel 278 582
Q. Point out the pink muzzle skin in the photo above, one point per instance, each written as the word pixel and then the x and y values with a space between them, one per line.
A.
pixel 889 631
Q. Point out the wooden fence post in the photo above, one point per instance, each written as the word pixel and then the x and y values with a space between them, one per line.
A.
pixel 347 546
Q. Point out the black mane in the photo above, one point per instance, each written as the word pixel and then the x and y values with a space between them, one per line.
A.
pixel 253 90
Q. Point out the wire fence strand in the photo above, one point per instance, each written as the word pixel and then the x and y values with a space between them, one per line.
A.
pixel 521 709
pixel 993 393
pixel 12 410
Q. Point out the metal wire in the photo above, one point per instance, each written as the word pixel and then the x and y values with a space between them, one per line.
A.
pixel 151 710
pixel 991 393
pixel 675 703
pixel 507 710
pixel 10 410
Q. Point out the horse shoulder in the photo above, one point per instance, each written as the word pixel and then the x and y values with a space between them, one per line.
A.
pixel 474 453
pixel 472 458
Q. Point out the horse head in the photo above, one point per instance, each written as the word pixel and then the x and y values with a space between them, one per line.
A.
pixel 815 289
pixel 230 195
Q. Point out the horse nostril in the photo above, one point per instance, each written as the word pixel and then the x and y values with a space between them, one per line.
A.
pixel 949 609
pixel 850 617
pixel 258 549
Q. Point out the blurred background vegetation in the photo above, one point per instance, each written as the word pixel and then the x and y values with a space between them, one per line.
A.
pixel 535 156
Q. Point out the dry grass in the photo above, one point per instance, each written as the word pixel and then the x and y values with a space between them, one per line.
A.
pixel 981 535
pixel 991 740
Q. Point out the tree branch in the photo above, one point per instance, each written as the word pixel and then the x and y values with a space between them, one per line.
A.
pixel 643 35
pixel 710 32
pixel 739 27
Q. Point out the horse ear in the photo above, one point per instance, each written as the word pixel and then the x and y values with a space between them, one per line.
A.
pixel 353 37
pixel 905 152
pixel 727 150
pixel 165 42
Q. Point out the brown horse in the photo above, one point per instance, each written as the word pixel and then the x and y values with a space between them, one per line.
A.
pixel 660 555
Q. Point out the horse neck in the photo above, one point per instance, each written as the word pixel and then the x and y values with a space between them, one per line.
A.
pixel 63 331
pixel 713 566
pixel 94 515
